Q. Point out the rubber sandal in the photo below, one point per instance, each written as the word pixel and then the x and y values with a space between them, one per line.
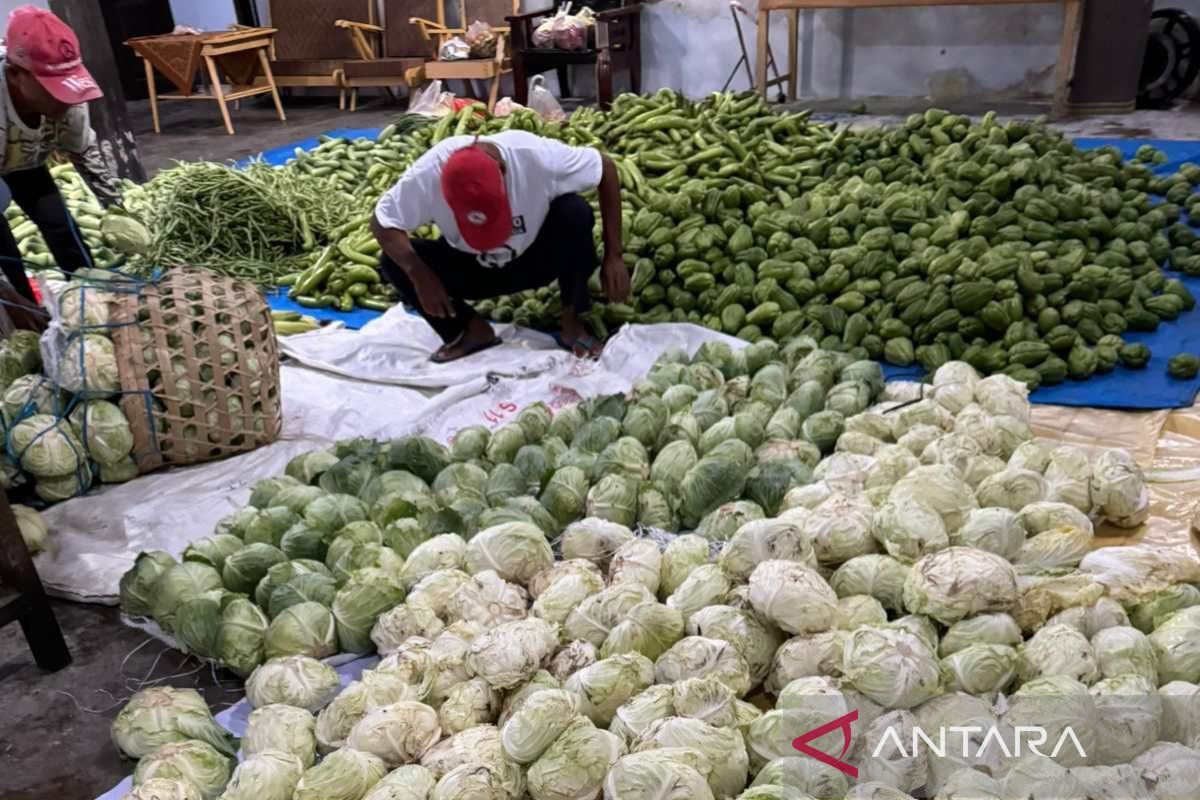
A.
pixel 586 342
pixel 477 347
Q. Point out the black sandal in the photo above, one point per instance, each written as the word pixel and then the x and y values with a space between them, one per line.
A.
pixel 592 346
pixel 471 349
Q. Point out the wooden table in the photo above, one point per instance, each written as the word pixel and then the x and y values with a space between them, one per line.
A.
pixel 1072 18
pixel 241 55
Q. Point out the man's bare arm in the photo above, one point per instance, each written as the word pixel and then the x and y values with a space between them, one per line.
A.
pixel 614 273
pixel 398 247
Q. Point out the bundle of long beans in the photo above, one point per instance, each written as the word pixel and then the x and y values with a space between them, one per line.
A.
pixel 249 223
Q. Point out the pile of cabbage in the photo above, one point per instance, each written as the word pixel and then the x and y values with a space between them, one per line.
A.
pixel 704 443
pixel 935 570
pixel 63 427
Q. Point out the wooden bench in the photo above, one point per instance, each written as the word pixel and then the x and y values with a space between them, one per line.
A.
pixel 1072 18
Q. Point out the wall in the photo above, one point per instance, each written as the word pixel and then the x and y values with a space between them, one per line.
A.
pixel 895 52
pixel 1190 6
pixel 207 15
pixel 946 53
pixel 7 6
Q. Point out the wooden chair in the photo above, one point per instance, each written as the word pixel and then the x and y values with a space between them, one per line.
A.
pixel 617 45
pixel 308 51
pixel 493 12
pixel 391 54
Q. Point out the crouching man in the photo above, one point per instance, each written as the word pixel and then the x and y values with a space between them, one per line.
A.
pixel 512 219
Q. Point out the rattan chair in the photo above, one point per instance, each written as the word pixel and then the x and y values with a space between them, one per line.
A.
pixel 392 54
pixel 493 12
pixel 308 49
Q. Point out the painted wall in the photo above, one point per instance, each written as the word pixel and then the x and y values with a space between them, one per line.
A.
pixel 207 15
pixel 6 7
pixel 895 52
pixel 1190 6
pixel 945 53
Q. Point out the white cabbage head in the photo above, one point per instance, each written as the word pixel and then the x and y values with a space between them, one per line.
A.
pixel 893 667
pixel 959 582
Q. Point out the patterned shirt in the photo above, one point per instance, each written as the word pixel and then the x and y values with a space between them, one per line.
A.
pixel 71 136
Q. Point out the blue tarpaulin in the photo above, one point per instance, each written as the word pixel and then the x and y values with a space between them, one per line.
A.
pixel 280 155
pixel 278 300
pixel 1148 388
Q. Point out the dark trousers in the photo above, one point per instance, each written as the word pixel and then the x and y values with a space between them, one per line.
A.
pixel 563 251
pixel 36 193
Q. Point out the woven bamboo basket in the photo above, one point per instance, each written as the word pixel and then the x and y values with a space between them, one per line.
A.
pixel 199 368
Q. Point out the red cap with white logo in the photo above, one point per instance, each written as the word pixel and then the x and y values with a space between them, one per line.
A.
pixel 473 186
pixel 42 43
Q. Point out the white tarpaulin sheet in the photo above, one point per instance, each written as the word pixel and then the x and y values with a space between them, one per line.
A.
pixel 395 348
pixel 98 536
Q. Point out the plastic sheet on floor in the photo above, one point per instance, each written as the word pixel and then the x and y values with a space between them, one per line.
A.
pixel 278 156
pixel 98 536
pixel 395 348
pixel 1167 446
pixel 1151 388
pixel 235 718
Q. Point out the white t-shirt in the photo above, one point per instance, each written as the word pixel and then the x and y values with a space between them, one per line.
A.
pixel 537 171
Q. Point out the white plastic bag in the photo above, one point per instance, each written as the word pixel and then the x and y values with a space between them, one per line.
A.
pixel 506 106
pixel 572 32
pixel 543 35
pixel 543 101
pixel 455 49
pixel 482 39
pixel 432 101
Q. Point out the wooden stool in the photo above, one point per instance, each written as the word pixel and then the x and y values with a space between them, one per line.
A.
pixel 240 54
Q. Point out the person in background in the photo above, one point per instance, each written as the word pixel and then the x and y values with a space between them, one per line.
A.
pixel 512 218
pixel 44 91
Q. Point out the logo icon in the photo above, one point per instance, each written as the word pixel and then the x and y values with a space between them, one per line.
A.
pixel 801 743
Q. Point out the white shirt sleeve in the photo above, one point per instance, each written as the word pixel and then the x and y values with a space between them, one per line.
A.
pixel 575 169
pixel 408 205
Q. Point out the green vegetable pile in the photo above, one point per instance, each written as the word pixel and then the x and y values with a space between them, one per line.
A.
pixel 705 444
pixel 248 223
pixel 936 572
pixel 89 215
pixel 997 243
pixel 1000 244
pixel 303 225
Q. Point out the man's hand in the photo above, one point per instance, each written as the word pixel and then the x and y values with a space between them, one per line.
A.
pixel 615 278
pixel 432 294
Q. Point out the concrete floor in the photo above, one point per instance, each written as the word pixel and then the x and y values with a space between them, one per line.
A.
pixel 54 740
pixel 194 132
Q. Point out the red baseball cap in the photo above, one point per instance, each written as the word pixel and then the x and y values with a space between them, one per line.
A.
pixel 473 186
pixel 42 43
